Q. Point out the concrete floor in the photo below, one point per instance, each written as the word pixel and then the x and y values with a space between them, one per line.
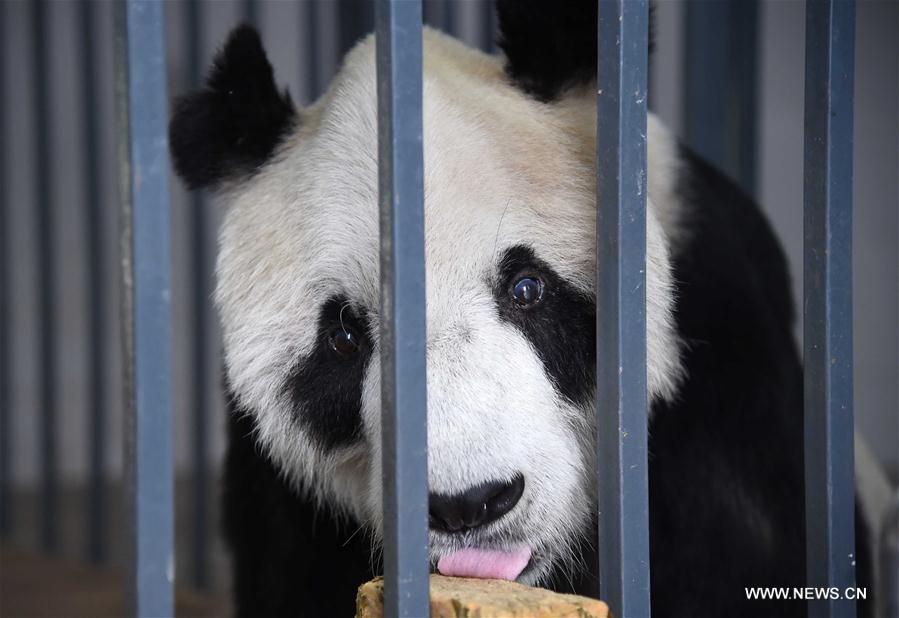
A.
pixel 65 583
pixel 38 586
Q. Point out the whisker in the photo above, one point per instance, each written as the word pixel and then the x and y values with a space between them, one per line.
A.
pixel 500 225
pixel 350 538
pixel 340 315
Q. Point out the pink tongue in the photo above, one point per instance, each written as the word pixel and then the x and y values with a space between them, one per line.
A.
pixel 484 563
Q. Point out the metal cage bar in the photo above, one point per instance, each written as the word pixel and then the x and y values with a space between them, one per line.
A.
pixel 200 294
pixel 146 260
pixel 742 128
pixel 6 426
pixel 403 326
pixel 251 12
pixel 355 18
pixel 720 85
pixel 46 262
pixel 621 306
pixel 829 461
pixel 96 282
pixel 488 30
pixel 313 43
pixel 705 62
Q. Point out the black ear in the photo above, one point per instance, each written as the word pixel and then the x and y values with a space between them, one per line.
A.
pixel 549 45
pixel 230 127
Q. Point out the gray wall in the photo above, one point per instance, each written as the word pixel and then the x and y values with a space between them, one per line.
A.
pixel 780 190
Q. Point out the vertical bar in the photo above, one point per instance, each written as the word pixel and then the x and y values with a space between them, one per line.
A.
pixel 621 306
pixel 721 85
pixel 356 18
pixel 705 67
pixel 448 19
pixel 46 262
pixel 829 461
pixel 6 507
pixel 313 56
pixel 251 12
pixel 742 91
pixel 200 329
pixel 96 297
pixel 403 383
pixel 489 32
pixel 438 14
pixel 141 96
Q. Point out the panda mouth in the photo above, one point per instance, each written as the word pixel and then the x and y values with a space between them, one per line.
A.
pixel 486 563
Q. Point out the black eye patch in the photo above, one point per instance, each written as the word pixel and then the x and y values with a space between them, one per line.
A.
pixel 558 319
pixel 325 386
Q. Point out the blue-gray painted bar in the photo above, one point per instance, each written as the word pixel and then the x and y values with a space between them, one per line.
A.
pixel 141 93
pixel 438 14
pixel 46 263
pixel 356 18
pixel 721 84
pixel 705 73
pixel 6 428
pixel 488 44
pixel 96 276
pixel 449 17
pixel 621 306
pixel 313 55
pixel 251 10
pixel 829 461
pixel 199 327
pixel 742 89
pixel 403 384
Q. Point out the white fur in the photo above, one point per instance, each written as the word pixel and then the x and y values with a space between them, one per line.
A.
pixel 500 170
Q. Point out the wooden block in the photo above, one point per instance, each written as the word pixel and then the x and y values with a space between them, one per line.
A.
pixel 461 597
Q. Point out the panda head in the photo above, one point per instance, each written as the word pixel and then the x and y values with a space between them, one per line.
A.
pixel 510 259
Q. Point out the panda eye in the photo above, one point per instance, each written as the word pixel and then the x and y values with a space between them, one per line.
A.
pixel 344 341
pixel 527 291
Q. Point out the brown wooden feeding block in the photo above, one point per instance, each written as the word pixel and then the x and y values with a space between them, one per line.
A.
pixel 462 597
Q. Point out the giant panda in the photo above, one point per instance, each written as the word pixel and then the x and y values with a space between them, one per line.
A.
pixel 509 151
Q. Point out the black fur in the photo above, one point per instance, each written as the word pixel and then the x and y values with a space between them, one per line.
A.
pixel 232 126
pixel 289 558
pixel 326 388
pixel 726 458
pixel 561 327
pixel 726 492
pixel 548 51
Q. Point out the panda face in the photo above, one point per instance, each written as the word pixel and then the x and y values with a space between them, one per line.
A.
pixel 510 267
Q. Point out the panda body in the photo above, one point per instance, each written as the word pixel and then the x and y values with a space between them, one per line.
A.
pixel 509 198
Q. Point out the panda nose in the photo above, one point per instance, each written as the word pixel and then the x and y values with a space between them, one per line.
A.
pixel 475 507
